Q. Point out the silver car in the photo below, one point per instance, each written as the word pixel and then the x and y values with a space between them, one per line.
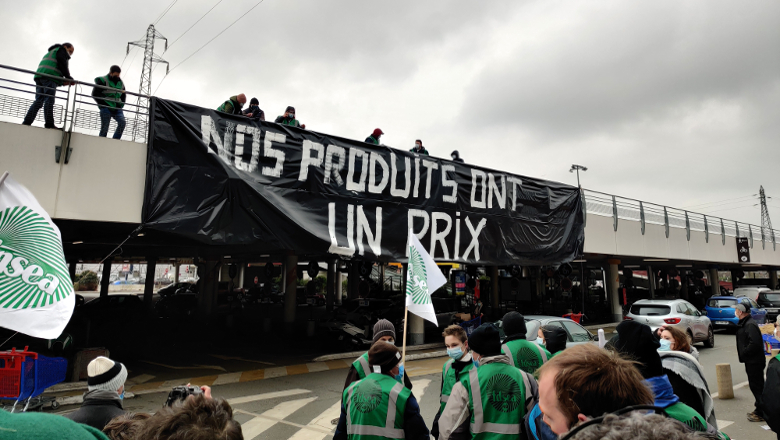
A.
pixel 575 333
pixel 674 313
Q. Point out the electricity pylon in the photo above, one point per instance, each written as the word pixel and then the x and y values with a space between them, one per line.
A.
pixel 145 88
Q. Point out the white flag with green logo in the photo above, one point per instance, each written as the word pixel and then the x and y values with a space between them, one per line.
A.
pixel 36 292
pixel 423 276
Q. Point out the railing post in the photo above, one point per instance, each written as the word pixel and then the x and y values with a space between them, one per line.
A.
pixel 687 226
pixel 722 233
pixel 706 230
pixel 642 216
pixel 750 235
pixel 666 222
pixel 584 208
pixel 614 214
pixel 736 226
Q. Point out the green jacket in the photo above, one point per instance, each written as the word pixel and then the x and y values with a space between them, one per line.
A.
pixel 292 122
pixel 692 419
pixel 372 140
pixel 448 380
pixel 231 106
pixel 525 355
pixel 42 426
pixel 375 408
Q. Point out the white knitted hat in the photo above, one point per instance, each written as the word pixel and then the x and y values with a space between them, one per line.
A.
pixel 105 374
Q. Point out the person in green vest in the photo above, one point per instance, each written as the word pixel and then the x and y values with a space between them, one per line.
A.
pixel 636 340
pixel 110 99
pixel 492 402
pixel 374 138
pixel 418 148
pixel 233 105
pixel 553 338
pixel 455 369
pixel 54 64
pixel 384 332
pixel 525 355
pixel 289 118
pixel 379 406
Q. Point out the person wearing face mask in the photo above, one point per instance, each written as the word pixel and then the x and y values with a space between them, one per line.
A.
pixel 418 148
pixel 750 349
pixel 384 333
pixel 289 118
pixel 379 405
pixel 374 138
pixel 673 339
pixel 494 398
pixel 525 355
pixel 456 157
pixel 233 105
pixel 105 392
pixel 553 338
pixel 455 369
pixel 110 100
pixel 55 64
pixel 254 110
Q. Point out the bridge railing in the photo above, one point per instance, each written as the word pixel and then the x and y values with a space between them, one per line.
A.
pixel 74 108
pixel 622 209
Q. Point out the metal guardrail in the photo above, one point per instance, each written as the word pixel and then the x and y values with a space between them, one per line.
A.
pixel 71 109
pixel 714 228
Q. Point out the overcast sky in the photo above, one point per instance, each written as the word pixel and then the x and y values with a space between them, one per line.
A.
pixel 671 102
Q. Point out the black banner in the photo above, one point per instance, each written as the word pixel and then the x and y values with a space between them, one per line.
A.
pixel 229 180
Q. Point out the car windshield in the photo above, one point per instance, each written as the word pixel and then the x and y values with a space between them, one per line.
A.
pixel 650 309
pixel 771 296
pixel 722 302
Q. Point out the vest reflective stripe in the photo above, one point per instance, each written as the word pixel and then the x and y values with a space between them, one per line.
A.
pixel 48 65
pixel 445 397
pixel 112 98
pixel 479 426
pixel 361 366
pixel 541 353
pixel 508 353
pixel 389 431
pixel 449 382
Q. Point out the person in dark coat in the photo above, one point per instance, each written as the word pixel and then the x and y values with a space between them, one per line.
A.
pixel 374 138
pixel 554 338
pixel 254 110
pixel 456 157
pixel 418 148
pixel 55 65
pixel 105 391
pixel 289 118
pixel 111 101
pixel 769 400
pixel 233 105
pixel 750 349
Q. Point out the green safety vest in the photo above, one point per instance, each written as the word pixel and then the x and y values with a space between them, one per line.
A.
pixel 113 99
pixel 290 122
pixel 449 379
pixel 687 415
pixel 362 366
pixel 374 140
pixel 525 355
pixel 496 401
pixel 375 408
pixel 48 66
pixel 230 102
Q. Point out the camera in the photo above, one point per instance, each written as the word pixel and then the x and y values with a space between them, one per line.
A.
pixel 180 393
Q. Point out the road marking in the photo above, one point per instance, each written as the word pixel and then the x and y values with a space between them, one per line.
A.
pixel 419 388
pixel 736 387
pixel 321 422
pixel 224 379
pixel 194 367
pixel 175 383
pixel 263 422
pixel 722 424
pixel 234 358
pixel 265 396
pixel 317 366
pixel 274 372
pixel 141 379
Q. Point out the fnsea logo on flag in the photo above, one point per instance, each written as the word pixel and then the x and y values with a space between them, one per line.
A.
pixel 36 292
pixel 423 277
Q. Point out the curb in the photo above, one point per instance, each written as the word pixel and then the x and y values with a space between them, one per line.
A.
pixel 355 354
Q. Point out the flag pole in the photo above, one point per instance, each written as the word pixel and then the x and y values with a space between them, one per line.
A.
pixel 404 282
pixel 2 178
pixel 403 350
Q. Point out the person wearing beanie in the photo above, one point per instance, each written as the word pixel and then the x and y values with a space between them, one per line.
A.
pixel 368 404
pixel 503 393
pixel 105 391
pixel 525 355
pixel 43 426
pixel 233 105
pixel 636 341
pixel 289 118
pixel 254 111
pixel 418 148
pixel 374 138
pixel 384 332
pixel 554 338
pixel 110 100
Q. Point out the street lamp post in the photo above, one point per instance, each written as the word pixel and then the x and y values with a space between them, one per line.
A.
pixel 577 168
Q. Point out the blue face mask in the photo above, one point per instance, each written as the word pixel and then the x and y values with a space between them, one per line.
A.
pixel 476 363
pixel 540 341
pixel 455 353
pixel 122 396
pixel 666 345
pixel 400 376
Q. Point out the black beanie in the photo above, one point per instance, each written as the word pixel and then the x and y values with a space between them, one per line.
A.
pixel 555 338
pixel 254 101
pixel 514 325
pixel 384 355
pixel 637 341
pixel 486 340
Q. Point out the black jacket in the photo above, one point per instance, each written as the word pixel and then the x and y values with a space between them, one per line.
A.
pixel 63 57
pixel 750 345
pixel 99 407
pixel 770 401
pixel 97 93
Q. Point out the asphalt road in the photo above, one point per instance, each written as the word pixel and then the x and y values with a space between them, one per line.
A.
pixel 302 406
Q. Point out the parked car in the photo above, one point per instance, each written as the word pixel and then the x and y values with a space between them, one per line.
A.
pixel 177 288
pixel 576 334
pixel 674 313
pixel 770 300
pixel 750 291
pixel 721 312
pixel 181 304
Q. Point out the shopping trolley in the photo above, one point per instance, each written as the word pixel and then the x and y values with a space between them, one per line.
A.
pixel 24 375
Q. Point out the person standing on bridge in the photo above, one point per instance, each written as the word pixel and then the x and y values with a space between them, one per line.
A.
pixel 750 349
pixel 289 118
pixel 233 105
pixel 525 355
pixel 384 333
pixel 254 110
pixel 374 138
pixel 418 148
pixel 380 406
pixel 110 100
pixel 54 63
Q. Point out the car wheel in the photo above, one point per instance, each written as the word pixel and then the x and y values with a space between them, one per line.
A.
pixel 710 341
pixel 690 337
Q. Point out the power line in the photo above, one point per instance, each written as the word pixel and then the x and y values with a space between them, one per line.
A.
pixel 736 207
pixel 193 25
pixel 208 42
pixel 165 11
pixel 718 202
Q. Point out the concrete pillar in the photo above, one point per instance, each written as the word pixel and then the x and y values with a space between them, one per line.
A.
pixel 72 270
pixel 382 276
pixel 416 330
pixel 494 295
pixel 106 279
pixel 176 268
pixel 339 286
pixel 241 271
pixel 330 286
pixel 773 279
pixel 725 386
pixel 290 300
pixel 683 285
pixel 151 270
pixel 208 283
pixel 651 281
pixel 353 280
pixel 714 281
pixel 613 289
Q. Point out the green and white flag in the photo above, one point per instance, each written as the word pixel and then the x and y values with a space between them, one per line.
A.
pixel 423 276
pixel 36 292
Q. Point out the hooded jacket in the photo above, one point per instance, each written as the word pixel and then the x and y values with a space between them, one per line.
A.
pixel 42 426
pixel 771 390
pixel 99 407
pixel 556 338
pixel 687 379
pixel 750 344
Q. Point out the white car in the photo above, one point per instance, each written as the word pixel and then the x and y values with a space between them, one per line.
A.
pixel 750 292
pixel 674 313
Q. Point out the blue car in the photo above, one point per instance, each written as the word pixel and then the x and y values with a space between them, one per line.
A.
pixel 720 311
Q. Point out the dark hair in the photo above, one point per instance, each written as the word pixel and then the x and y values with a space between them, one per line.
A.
pixel 254 101
pixel 593 381
pixel 419 142
pixel 115 69
pixel 125 427
pixel 197 418
pixel 639 426
pixel 68 45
